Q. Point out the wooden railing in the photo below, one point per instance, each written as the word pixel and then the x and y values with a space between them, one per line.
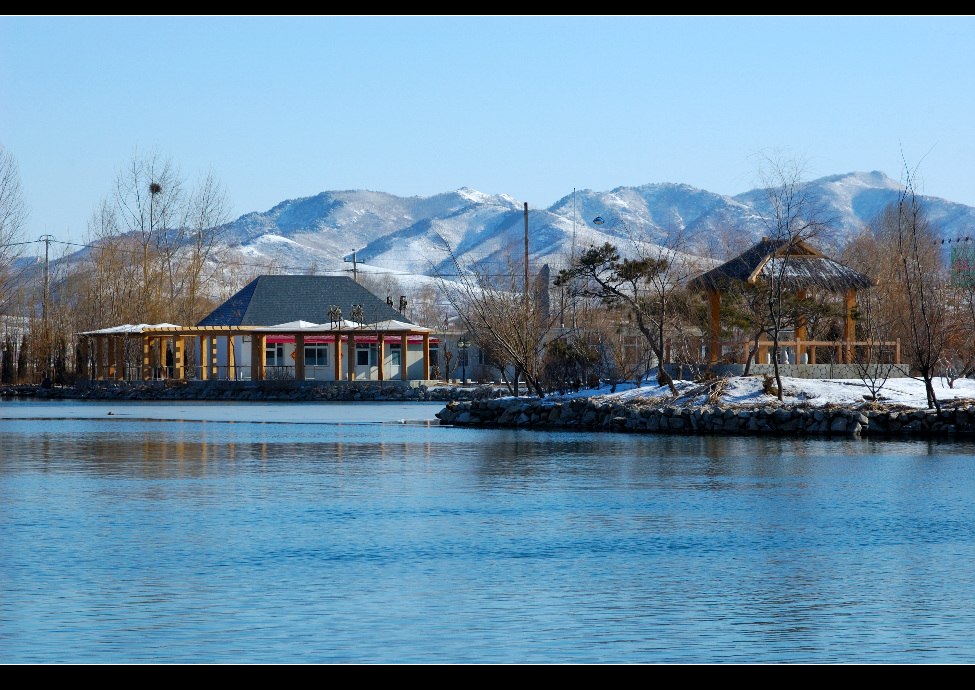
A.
pixel 817 351
pixel 798 351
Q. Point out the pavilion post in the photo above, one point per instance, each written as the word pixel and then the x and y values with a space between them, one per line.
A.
pixel 801 333
pixel 231 358
pixel 179 366
pixel 381 353
pixel 99 357
pixel 120 358
pixel 404 358
pixel 714 313
pixel 257 356
pixel 299 356
pixel 351 356
pixel 204 357
pixel 338 356
pixel 849 326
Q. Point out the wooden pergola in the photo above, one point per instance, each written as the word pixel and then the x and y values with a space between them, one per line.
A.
pixel 157 340
pixel 797 267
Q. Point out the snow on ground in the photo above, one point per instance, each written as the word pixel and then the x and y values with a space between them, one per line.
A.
pixel 742 390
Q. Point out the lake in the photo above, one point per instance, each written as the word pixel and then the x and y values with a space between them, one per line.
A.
pixel 367 533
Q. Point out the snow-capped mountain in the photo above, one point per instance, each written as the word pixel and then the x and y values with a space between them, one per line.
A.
pixel 415 236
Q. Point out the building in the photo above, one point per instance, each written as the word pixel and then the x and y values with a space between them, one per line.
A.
pixel 280 327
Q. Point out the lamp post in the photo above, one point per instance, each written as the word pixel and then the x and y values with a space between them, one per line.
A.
pixel 462 345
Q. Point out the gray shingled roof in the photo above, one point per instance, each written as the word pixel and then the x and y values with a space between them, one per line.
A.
pixel 271 300
pixel 804 268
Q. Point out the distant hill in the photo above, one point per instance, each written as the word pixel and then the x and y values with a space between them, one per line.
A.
pixel 407 238
pixel 409 235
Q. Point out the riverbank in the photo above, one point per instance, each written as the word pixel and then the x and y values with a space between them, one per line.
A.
pixel 599 415
pixel 737 406
pixel 733 405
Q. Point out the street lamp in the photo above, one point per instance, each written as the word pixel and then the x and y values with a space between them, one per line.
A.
pixel 462 345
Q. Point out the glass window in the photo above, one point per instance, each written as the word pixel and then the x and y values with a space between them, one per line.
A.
pixel 274 355
pixel 394 355
pixel 365 355
pixel 316 355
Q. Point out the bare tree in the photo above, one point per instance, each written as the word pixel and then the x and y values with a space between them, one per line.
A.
pixel 511 325
pixel 153 245
pixel 793 215
pixel 13 217
pixel 189 249
pixel 925 285
pixel 621 345
pixel 872 251
pixel 868 358
pixel 959 358
pixel 147 199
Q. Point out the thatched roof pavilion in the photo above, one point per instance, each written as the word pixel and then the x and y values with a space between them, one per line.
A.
pixel 797 266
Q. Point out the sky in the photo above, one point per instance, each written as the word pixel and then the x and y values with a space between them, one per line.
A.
pixel 281 107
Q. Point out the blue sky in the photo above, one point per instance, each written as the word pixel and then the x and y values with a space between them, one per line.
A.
pixel 284 107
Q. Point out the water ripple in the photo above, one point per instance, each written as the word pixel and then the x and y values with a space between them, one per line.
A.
pixel 210 541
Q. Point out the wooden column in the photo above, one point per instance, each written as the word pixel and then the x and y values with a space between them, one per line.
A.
pixel 338 356
pixel 351 362
pixel 99 355
pixel 714 313
pixel 231 358
pixel 146 358
pixel 299 356
pixel 849 327
pixel 426 356
pixel 179 366
pixel 112 358
pixel 213 357
pixel 801 333
pixel 404 349
pixel 120 359
pixel 257 357
pixel 381 353
pixel 204 357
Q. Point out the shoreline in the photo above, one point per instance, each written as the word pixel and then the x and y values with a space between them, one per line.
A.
pixel 955 420
pixel 246 391
pixel 479 406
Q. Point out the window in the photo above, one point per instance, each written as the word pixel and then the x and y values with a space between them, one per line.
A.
pixel 365 355
pixel 434 355
pixel 394 355
pixel 274 355
pixel 316 355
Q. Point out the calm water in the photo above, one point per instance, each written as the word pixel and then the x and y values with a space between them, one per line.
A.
pixel 340 533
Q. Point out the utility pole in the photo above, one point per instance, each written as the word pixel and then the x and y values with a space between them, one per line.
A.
pixel 46 239
pixel 355 273
pixel 526 252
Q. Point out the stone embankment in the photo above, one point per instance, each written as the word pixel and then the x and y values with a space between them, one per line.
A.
pixel 654 417
pixel 229 391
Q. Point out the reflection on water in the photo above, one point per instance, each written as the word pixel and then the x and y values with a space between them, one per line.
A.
pixel 363 533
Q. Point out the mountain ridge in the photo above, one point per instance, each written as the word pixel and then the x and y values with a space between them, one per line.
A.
pixel 416 235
